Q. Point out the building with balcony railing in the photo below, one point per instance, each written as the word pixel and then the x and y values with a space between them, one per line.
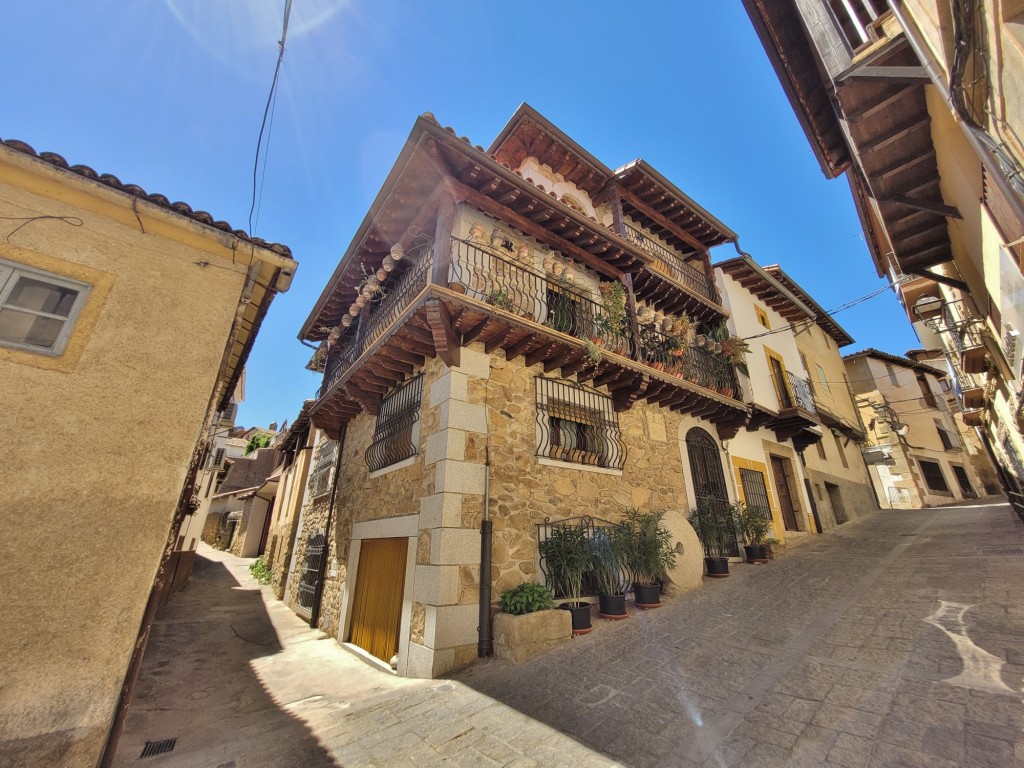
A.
pixel 522 325
pixel 919 103
pixel 914 448
pixel 783 442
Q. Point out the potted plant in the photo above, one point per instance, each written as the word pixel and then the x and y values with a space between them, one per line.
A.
pixel 608 546
pixel 753 523
pixel 648 554
pixel 567 554
pixel 712 522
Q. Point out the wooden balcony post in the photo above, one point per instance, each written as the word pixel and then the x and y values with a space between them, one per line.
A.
pixel 618 218
pixel 634 330
pixel 443 239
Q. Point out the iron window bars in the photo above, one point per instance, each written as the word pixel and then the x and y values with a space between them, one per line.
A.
pixel 320 479
pixel 577 424
pixel 589 526
pixel 394 437
pixel 310 570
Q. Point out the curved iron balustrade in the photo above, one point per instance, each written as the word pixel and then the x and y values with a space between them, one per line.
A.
pixel 394 437
pixel 672 264
pixel 577 424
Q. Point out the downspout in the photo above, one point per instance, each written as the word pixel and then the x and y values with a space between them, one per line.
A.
pixel 318 593
pixel 484 642
pixel 980 141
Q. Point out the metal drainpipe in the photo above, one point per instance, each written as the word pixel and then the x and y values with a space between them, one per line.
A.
pixel 484 642
pixel 318 593
pixel 978 142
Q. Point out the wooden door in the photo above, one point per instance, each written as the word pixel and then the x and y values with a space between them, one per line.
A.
pixel 782 488
pixel 377 603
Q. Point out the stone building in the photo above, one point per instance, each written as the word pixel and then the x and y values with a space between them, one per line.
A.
pixel 514 336
pixel 920 104
pixel 915 450
pixel 125 321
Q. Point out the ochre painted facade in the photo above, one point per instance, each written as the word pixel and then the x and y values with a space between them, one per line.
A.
pixel 99 441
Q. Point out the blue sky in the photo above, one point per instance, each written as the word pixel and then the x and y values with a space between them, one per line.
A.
pixel 169 94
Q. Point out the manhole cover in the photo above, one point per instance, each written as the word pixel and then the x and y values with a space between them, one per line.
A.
pixel 153 748
pixel 1001 551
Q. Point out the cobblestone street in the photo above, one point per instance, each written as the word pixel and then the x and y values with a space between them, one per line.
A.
pixel 896 640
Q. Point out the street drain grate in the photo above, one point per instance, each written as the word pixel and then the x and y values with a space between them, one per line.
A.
pixel 153 748
pixel 1001 551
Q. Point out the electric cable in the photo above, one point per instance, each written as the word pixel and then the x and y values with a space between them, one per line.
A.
pixel 271 100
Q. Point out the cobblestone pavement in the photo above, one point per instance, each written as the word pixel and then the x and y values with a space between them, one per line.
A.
pixel 896 640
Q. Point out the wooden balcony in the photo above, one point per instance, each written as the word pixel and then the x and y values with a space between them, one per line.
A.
pixel 489 297
pixel 796 418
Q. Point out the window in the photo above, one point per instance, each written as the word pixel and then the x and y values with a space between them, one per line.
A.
pixel 929 396
pixel 807 368
pixel 218 457
pixel 933 476
pixel 37 309
pixel 842 452
pixel 822 378
pixel 396 436
pixel 762 317
pixel 892 375
pixel 320 478
pixel 948 440
pixel 755 491
pixel 820 445
pixel 577 424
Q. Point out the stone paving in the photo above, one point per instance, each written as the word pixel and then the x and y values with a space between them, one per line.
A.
pixel 895 640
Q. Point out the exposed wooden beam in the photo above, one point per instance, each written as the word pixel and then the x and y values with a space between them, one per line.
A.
pixel 896 134
pixel 473 333
pixel 950 281
pixel 901 166
pixel 932 206
pixel 446 342
pixel 662 221
pixel 519 347
pixel 528 226
pixel 539 354
pixel 625 398
pixel 899 74
pixel 883 104
pixel 408 357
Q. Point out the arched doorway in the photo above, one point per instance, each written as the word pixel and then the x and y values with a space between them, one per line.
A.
pixel 707 474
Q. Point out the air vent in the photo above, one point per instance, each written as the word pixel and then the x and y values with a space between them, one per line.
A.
pixel 154 748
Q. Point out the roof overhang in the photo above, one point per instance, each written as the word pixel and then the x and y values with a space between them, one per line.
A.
pixel 752 277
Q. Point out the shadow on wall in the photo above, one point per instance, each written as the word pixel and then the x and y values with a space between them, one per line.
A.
pixel 197 682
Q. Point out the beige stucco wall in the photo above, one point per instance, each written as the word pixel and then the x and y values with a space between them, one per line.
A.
pixel 98 441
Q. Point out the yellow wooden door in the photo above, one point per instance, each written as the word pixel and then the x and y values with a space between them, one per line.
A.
pixel 377 603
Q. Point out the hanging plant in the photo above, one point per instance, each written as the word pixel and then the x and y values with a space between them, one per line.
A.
pixel 735 350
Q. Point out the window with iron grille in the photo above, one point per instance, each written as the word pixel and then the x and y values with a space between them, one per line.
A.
pixel 396 435
pixel 577 424
pixel 933 477
pixel 218 457
pixel 755 491
pixel 320 478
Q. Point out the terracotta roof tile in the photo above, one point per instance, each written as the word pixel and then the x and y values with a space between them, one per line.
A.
pixel 109 180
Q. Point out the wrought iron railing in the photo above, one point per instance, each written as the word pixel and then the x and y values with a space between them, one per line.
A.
pixel 672 264
pixel 520 290
pixel 320 477
pixel 677 358
pixel 801 390
pixel 793 392
pixel 373 322
pixel 315 546
pixel 589 525
pixel 960 325
pixel 577 424
pixel 394 437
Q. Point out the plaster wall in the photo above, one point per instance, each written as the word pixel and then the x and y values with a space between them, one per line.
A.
pixel 743 322
pixel 81 500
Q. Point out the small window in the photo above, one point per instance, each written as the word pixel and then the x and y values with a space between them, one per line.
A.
pixel 396 436
pixel 218 458
pixel 933 477
pixel 37 309
pixel 577 425
pixel 762 317
pixel 841 450
pixel 820 445
pixel 822 378
pixel 320 477
pixel 926 391
pixel 892 375
pixel 949 442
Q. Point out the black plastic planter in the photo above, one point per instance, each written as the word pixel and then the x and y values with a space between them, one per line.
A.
pixel 580 617
pixel 718 567
pixel 612 606
pixel 756 553
pixel 647 595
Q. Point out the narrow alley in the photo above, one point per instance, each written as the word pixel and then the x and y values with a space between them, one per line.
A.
pixel 895 640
